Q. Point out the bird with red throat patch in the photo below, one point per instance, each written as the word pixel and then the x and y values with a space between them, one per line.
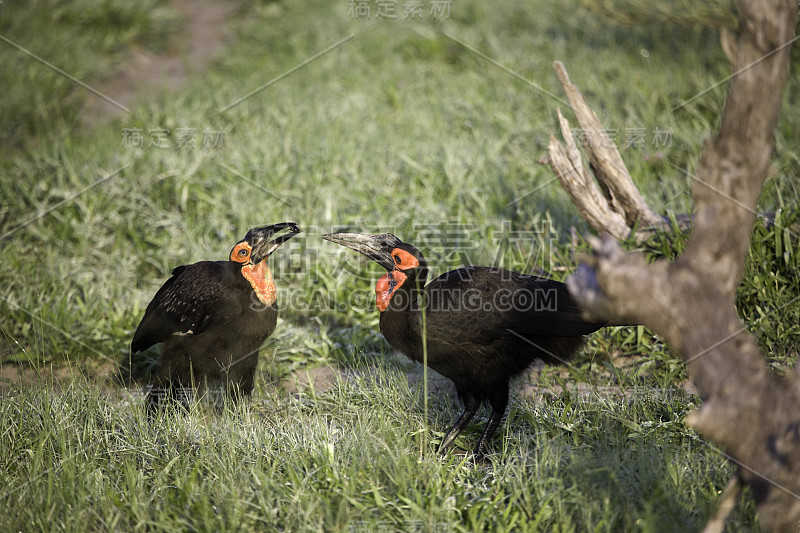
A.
pixel 212 318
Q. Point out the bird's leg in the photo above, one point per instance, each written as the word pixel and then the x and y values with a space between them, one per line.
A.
pixel 165 393
pixel 242 386
pixel 471 405
pixel 153 400
pixel 236 393
pixel 495 419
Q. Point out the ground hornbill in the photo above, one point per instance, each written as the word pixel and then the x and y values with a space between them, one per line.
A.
pixel 213 317
pixel 483 325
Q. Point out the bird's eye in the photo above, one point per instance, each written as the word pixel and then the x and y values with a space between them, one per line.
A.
pixel 397 259
pixel 243 252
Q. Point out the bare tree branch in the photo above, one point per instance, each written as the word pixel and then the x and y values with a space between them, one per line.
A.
pixel 612 204
pixel 726 505
pixel 576 180
pixel 605 158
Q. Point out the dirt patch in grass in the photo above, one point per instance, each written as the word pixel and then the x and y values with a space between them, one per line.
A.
pixel 202 37
pixel 14 375
pixel 325 378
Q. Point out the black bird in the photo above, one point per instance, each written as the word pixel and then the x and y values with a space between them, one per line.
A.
pixel 483 325
pixel 213 317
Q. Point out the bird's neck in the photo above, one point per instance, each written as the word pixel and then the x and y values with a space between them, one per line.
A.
pixel 260 278
pixel 401 321
pixel 408 297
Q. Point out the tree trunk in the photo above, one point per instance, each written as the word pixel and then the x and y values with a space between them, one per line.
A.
pixel 753 414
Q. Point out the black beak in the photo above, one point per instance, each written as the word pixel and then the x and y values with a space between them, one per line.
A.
pixel 376 247
pixel 262 243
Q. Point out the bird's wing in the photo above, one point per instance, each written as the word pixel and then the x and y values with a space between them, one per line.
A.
pixel 182 306
pixel 476 305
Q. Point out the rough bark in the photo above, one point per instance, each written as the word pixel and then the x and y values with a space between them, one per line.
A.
pixel 752 414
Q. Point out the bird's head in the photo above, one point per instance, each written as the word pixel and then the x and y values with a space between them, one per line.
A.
pixel 258 244
pixel 252 253
pixel 405 264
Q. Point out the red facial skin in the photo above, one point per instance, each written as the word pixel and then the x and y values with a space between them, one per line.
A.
pixel 259 275
pixel 391 281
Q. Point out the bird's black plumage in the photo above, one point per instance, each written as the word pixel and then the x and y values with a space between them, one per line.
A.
pixel 483 325
pixel 212 318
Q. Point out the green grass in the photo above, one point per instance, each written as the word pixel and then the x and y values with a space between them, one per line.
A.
pixel 349 458
pixel 87 40
pixel 400 128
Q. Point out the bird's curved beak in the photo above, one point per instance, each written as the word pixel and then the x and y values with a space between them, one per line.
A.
pixel 267 239
pixel 377 247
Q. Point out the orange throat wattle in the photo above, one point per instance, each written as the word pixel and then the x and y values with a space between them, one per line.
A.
pixel 385 288
pixel 260 278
